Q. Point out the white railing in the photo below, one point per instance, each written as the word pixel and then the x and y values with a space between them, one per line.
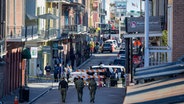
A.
pixel 159 55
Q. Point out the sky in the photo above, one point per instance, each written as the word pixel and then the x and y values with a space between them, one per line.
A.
pixel 131 4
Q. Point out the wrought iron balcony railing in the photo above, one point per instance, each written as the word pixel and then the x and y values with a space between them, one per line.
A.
pixel 58 0
pixel 74 29
pixel 48 34
pixel 16 34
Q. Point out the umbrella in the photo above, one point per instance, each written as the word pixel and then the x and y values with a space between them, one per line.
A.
pixel 48 16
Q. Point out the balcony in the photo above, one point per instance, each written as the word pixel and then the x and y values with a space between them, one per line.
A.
pixel 74 29
pixel 63 1
pixel 45 35
pixel 22 33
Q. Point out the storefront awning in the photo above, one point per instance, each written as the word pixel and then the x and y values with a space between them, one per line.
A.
pixel 151 34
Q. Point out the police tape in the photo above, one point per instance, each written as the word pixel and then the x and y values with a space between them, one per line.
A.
pixel 41 77
pixel 90 70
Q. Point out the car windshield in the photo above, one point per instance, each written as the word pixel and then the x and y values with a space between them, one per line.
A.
pixel 106 45
pixel 119 62
pixel 121 52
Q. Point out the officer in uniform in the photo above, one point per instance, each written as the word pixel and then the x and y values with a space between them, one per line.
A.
pixel 92 87
pixel 79 84
pixel 63 87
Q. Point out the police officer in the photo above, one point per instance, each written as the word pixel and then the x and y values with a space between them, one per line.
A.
pixel 92 87
pixel 63 87
pixel 79 84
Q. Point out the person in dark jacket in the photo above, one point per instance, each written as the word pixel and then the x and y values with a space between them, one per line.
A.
pixel 79 84
pixel 63 87
pixel 92 87
pixel 48 70
pixel 107 77
pixel 56 71
pixel 91 72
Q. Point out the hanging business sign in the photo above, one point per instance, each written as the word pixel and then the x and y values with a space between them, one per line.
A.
pixel 34 52
pixel 136 24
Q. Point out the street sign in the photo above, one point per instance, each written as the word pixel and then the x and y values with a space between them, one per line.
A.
pixel 136 24
pixel 34 52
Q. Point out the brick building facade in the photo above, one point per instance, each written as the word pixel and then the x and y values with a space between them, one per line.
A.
pixel 178 31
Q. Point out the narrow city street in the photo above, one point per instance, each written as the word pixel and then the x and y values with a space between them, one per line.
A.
pixel 104 95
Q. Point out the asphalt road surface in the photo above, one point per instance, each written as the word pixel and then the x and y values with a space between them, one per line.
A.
pixel 103 96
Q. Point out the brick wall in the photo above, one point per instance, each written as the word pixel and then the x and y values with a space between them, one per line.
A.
pixel 178 29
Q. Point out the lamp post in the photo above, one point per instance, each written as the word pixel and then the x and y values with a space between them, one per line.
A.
pixel 146 54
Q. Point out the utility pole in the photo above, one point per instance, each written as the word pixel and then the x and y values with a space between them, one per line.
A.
pixel 60 12
pixel 146 54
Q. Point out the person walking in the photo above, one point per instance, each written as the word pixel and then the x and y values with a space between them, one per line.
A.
pixel 107 77
pixel 63 87
pixel 92 88
pixel 56 72
pixel 68 71
pixel 38 72
pixel 48 70
pixel 79 84
pixel 61 71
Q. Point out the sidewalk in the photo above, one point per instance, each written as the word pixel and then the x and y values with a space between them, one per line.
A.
pixel 36 89
pixel 166 91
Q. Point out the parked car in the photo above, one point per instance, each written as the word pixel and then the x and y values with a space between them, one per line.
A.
pixel 119 62
pixel 113 42
pixel 107 47
pixel 122 46
pixel 121 54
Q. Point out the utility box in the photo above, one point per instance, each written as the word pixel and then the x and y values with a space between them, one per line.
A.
pixel 24 94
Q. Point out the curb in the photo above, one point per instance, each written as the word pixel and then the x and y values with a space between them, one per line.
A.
pixel 40 95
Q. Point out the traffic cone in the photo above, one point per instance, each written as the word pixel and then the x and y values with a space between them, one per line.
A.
pixel 16 101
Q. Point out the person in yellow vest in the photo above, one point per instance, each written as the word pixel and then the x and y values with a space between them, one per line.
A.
pixel 92 45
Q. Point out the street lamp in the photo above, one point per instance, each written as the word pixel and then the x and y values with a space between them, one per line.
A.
pixel 146 55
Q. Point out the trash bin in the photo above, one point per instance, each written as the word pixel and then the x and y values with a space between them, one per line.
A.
pixel 23 94
pixel 26 94
pixel 21 100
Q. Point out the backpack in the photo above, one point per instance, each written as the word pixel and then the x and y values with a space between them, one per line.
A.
pixel 93 84
pixel 80 84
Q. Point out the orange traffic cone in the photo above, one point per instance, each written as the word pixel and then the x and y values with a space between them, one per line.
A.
pixel 16 101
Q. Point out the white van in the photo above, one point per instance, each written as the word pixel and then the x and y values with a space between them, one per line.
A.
pixel 113 42
pixel 111 68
